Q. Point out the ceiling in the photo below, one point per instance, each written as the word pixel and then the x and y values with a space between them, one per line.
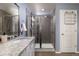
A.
pixel 36 8
pixel 10 8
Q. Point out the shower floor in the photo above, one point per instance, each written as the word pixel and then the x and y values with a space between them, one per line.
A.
pixel 45 47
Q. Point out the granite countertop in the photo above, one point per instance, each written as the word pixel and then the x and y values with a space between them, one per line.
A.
pixel 14 47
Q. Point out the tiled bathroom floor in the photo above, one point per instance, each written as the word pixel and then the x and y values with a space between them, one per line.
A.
pixel 48 50
pixel 50 53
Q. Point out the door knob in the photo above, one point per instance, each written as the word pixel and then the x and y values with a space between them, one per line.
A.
pixel 62 34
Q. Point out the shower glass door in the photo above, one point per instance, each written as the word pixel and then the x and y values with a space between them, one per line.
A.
pixel 42 31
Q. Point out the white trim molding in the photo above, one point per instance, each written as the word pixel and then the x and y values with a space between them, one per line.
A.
pixel 77 52
pixel 58 52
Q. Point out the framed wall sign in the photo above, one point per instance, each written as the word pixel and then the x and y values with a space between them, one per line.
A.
pixel 70 17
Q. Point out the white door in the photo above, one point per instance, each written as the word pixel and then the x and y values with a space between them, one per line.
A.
pixel 68 30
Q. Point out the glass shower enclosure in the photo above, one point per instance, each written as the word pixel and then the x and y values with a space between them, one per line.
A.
pixel 43 32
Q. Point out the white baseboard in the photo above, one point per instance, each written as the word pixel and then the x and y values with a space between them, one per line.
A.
pixel 57 52
pixel 76 52
pixel 61 52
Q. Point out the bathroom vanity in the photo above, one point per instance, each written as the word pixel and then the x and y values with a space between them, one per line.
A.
pixel 20 46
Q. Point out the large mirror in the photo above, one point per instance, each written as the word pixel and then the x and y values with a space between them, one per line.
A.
pixel 9 22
